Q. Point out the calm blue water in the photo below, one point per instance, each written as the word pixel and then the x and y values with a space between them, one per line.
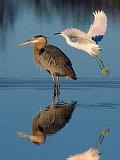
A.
pixel 25 89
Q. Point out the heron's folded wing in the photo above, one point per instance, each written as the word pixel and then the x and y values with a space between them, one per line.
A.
pixel 99 26
pixel 52 119
pixel 57 55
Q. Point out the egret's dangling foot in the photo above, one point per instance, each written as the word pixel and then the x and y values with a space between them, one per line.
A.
pixel 103 134
pixel 104 70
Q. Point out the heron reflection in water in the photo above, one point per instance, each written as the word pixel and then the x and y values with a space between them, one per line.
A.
pixel 49 121
pixel 93 152
pixel 52 59
pixel 88 42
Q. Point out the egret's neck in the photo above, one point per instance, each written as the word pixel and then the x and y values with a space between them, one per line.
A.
pixel 69 42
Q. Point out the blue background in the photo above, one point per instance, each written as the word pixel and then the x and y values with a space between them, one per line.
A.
pixel 25 89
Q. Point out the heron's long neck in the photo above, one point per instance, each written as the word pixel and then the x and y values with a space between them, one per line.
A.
pixel 40 45
pixel 36 52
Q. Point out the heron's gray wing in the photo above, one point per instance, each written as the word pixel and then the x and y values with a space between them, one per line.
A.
pixel 99 25
pixel 52 119
pixel 57 55
pixel 50 54
pixel 54 61
pixel 80 36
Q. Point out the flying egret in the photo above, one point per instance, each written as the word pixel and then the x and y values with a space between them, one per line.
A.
pixel 93 152
pixel 88 42
pixel 52 59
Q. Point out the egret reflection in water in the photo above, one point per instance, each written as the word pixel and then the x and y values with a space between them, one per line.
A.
pixel 49 121
pixel 88 42
pixel 93 152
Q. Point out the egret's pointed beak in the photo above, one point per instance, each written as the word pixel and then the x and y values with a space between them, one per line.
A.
pixel 26 42
pixel 57 33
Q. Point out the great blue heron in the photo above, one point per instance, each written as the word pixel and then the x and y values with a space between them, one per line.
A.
pixel 93 152
pixel 51 58
pixel 49 121
pixel 88 42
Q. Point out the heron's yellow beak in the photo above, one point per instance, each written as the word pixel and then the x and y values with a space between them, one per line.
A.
pixel 27 42
pixel 35 139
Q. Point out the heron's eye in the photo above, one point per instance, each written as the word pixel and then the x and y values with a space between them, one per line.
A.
pixel 41 51
pixel 73 39
pixel 40 128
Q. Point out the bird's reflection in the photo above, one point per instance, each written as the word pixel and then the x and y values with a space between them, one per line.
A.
pixel 93 152
pixel 49 121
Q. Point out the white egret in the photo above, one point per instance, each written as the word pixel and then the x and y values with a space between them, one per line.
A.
pixel 93 152
pixel 88 42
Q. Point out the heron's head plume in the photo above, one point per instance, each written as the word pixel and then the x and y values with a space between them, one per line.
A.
pixel 38 39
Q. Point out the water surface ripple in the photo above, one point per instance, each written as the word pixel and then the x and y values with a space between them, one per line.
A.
pixel 46 84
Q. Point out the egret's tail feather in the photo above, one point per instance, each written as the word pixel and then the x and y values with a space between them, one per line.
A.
pixel 96 50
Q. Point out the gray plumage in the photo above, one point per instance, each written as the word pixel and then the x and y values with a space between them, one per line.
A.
pixel 52 119
pixel 54 61
pixel 51 58
pixel 49 121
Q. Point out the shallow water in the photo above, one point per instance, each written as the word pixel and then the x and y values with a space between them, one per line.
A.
pixel 25 89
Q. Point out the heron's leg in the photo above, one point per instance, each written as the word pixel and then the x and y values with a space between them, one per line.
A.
pixel 53 101
pixel 55 85
pixel 58 86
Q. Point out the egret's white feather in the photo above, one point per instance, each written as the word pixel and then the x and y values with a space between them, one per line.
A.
pixel 77 33
pixel 83 41
pixel 91 154
pixel 99 25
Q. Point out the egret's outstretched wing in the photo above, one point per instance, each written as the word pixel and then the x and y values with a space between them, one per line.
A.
pixel 77 35
pixel 78 39
pixel 99 26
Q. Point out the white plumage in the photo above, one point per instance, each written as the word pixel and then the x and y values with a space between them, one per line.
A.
pixel 90 154
pixel 93 152
pixel 99 25
pixel 80 40
pixel 88 42
pixel 84 40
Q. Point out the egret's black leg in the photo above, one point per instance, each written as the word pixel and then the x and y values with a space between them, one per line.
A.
pixel 103 134
pixel 99 61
